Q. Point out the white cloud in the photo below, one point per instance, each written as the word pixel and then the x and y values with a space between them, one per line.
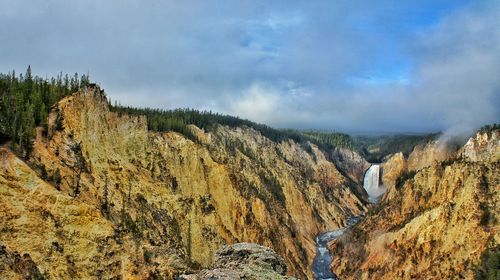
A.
pixel 283 63
pixel 258 103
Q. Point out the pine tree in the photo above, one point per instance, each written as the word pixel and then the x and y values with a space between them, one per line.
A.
pixel 25 101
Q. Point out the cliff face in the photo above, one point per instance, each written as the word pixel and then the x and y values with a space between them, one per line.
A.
pixel 428 154
pixel 422 156
pixel 102 197
pixel 484 147
pixel 436 226
pixel 392 169
pixel 351 164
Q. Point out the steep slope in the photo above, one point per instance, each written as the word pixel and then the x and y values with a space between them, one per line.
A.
pixel 353 166
pixel 146 204
pixel 435 226
pixel 46 226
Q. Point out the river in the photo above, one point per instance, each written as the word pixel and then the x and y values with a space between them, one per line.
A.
pixel 322 260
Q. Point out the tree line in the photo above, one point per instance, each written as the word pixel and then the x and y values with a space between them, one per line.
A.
pixel 25 102
pixel 179 120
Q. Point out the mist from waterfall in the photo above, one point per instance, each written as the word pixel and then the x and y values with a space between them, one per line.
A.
pixel 372 183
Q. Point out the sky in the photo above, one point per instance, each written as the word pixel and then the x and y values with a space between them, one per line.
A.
pixel 351 66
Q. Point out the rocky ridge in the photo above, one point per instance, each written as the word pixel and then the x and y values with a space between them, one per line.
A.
pixel 243 261
pixel 103 197
pixel 436 224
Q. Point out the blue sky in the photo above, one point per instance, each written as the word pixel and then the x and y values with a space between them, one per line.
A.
pixel 354 66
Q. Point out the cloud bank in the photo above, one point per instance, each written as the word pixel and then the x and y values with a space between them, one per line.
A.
pixel 354 66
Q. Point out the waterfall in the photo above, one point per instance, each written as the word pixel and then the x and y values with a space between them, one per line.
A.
pixel 371 183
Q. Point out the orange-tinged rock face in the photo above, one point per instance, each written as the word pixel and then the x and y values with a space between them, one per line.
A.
pixel 392 169
pixel 141 203
pixel 426 155
pixel 436 226
pixel 49 225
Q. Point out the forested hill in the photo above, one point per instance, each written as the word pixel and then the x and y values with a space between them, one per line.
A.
pixel 26 100
pixel 376 148
pixel 179 120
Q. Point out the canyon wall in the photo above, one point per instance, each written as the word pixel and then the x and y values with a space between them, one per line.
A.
pixel 436 224
pixel 102 197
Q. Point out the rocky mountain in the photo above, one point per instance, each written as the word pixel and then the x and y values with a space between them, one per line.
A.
pixel 101 197
pixel 438 218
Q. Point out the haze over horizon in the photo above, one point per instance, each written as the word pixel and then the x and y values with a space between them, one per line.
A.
pixel 351 66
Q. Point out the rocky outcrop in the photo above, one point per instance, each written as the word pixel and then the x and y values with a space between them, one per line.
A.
pixel 484 147
pixel 392 169
pixel 353 166
pixel 425 155
pixel 64 237
pixel 350 163
pixel 436 226
pixel 113 199
pixel 243 261
pixel 13 265
pixel 397 168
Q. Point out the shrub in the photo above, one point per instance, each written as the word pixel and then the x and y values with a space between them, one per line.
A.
pixel 56 177
pixel 486 215
pixel 274 187
pixel 148 256
pixel 404 177
pixel 489 268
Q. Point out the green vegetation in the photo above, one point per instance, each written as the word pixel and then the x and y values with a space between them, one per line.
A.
pixel 25 102
pixel 486 215
pixel 179 119
pixel 329 140
pixel 404 177
pixel 273 185
pixel 206 206
pixel 375 148
pixel 148 256
pixel 450 161
pixel 489 128
pixel 489 269
pixel 80 166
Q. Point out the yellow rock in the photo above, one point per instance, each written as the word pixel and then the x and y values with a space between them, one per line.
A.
pixel 435 227
pixel 127 202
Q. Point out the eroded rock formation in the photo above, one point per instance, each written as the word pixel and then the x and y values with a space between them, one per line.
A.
pixel 102 197
pixel 243 261
pixel 436 225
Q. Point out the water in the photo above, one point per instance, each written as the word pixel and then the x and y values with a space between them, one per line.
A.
pixel 371 183
pixel 322 260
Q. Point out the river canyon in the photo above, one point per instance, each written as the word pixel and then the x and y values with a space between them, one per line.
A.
pixel 114 199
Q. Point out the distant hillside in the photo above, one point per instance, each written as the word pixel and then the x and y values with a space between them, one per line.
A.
pixel 179 120
pixel 26 101
pixel 375 148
